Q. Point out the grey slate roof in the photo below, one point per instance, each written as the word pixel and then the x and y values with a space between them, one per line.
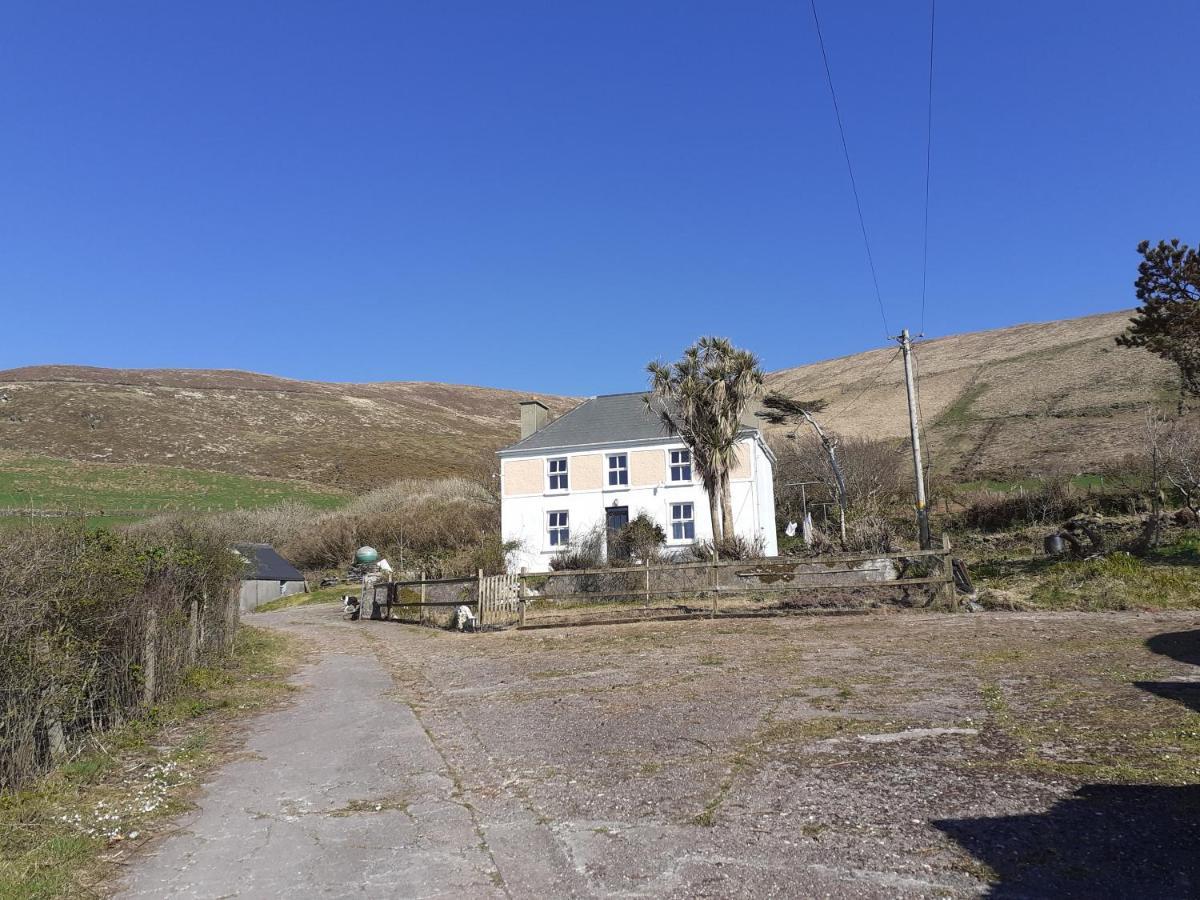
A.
pixel 266 564
pixel 608 419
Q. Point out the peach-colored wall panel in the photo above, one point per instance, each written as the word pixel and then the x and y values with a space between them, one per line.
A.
pixel 586 472
pixel 646 467
pixel 523 476
pixel 741 463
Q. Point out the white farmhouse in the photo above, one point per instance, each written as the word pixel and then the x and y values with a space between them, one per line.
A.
pixel 609 460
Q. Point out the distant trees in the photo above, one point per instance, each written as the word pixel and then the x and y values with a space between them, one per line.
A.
pixel 1167 322
pixel 702 398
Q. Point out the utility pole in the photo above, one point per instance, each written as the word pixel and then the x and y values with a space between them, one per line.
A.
pixel 914 428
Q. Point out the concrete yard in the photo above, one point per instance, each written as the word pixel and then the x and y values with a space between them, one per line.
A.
pixel 895 754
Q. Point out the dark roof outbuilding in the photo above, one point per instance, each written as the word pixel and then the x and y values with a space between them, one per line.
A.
pixel 266 564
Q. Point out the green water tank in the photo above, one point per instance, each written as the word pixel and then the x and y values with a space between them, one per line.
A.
pixel 366 555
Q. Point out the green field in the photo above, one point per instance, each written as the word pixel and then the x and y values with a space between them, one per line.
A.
pixel 113 493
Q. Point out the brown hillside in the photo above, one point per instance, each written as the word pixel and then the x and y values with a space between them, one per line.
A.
pixel 348 435
pixel 1052 397
pixel 1043 398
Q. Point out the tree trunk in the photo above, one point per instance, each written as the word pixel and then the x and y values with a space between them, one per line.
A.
pixel 726 507
pixel 714 508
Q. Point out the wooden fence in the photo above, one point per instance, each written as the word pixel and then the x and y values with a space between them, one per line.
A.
pixel 501 600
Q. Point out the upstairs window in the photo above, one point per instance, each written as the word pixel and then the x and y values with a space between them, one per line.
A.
pixel 618 470
pixel 560 531
pixel 683 523
pixel 681 465
pixel 558 475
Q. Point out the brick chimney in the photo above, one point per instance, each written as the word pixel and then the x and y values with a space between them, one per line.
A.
pixel 534 415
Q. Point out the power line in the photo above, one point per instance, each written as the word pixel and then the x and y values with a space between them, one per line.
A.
pixel 928 160
pixel 850 168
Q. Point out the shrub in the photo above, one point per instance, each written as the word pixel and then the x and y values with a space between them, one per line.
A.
pixel 445 527
pixel 585 551
pixel 639 540
pixel 83 613
pixel 1049 502
pixel 871 534
pixel 733 547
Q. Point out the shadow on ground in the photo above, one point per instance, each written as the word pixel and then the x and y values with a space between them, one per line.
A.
pixel 1184 647
pixel 1105 840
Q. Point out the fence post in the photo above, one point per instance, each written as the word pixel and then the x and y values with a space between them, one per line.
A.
pixel 421 610
pixel 646 601
pixel 150 656
pixel 193 630
pixel 714 578
pixel 521 597
pixel 948 572
pixel 50 714
pixel 480 603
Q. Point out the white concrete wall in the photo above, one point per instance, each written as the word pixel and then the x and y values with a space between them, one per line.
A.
pixel 764 486
pixel 255 592
pixel 524 516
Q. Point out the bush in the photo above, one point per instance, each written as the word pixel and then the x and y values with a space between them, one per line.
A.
pixel 874 471
pixel 639 540
pixel 94 625
pixel 872 534
pixel 1046 503
pixel 585 551
pixel 445 527
pixel 732 547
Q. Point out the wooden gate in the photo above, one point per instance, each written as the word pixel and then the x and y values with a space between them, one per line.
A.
pixel 499 599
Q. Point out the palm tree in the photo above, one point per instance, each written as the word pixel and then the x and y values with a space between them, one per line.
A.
pixel 701 398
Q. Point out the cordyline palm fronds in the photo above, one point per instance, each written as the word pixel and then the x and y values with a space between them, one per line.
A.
pixel 701 398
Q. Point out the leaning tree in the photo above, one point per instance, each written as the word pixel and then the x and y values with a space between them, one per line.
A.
pixel 701 399
pixel 1168 320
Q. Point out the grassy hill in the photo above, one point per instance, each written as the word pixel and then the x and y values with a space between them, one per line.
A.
pixel 111 492
pixel 1045 398
pixel 347 436
pixel 1058 397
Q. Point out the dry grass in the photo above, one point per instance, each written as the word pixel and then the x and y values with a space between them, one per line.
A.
pixel 444 526
pixel 351 436
pixel 1053 397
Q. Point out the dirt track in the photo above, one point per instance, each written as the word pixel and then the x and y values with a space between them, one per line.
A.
pixel 889 755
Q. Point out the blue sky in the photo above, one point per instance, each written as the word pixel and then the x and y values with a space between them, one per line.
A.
pixel 545 196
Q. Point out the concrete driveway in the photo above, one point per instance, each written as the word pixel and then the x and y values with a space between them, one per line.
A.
pixel 893 755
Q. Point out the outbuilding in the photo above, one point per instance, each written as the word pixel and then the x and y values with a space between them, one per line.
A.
pixel 268 576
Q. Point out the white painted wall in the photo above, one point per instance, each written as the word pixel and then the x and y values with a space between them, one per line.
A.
pixel 525 518
pixel 257 591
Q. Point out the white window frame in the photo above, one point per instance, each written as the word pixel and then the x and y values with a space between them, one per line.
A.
pixel 610 471
pixel 564 473
pixel 672 521
pixel 672 466
pixel 560 528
